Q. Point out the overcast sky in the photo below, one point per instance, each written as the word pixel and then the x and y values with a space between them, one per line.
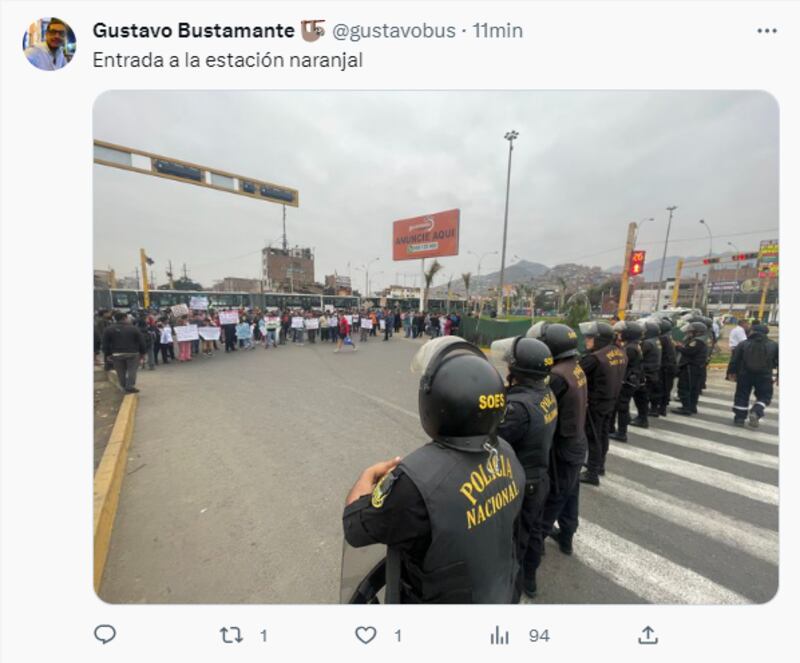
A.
pixel 585 165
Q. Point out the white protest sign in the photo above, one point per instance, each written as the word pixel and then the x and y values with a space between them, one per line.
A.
pixel 349 319
pixel 312 323
pixel 297 322
pixel 198 303
pixel 186 333
pixel 229 317
pixel 273 321
pixel 366 323
pixel 179 310
pixel 382 324
pixel 209 333
pixel 333 321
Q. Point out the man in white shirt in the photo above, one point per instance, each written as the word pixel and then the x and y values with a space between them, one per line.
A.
pixel 50 55
pixel 738 334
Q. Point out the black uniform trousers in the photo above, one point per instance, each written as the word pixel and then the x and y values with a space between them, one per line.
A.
pixel 746 383
pixel 644 394
pixel 690 382
pixel 530 537
pixel 598 426
pixel 562 501
pixel 624 409
pixel 660 399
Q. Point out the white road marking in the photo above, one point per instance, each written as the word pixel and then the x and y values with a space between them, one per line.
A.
pixel 717 448
pixel 756 541
pixel 726 429
pixel 644 573
pixel 732 483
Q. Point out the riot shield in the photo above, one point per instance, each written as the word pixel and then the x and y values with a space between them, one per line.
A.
pixel 363 577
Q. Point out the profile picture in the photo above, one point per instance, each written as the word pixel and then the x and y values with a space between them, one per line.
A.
pixel 49 43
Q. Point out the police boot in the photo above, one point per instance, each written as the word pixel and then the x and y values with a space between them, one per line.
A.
pixel 640 422
pixel 738 422
pixel 753 417
pixel 662 411
pixel 529 584
pixel 654 412
pixel 590 477
pixel 682 410
pixel 563 539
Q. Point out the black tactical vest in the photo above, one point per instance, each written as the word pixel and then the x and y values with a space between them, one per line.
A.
pixel 651 357
pixel 570 438
pixel 668 357
pixel 533 450
pixel 605 383
pixel 472 511
pixel 634 373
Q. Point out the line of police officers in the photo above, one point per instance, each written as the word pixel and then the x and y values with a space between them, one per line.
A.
pixel 464 517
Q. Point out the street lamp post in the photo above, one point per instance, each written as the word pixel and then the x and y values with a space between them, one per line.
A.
pixel 670 209
pixel 708 272
pixel 735 278
pixel 365 269
pixel 510 136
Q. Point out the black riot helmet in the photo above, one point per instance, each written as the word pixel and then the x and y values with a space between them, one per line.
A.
pixel 601 331
pixel 759 329
pixel 628 330
pixel 525 357
pixel 652 328
pixel 666 325
pixel 461 395
pixel 561 339
pixel 694 329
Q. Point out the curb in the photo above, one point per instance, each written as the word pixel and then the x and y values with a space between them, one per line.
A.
pixel 108 483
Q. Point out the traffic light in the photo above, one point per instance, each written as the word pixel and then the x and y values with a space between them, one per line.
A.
pixel 637 263
pixel 710 261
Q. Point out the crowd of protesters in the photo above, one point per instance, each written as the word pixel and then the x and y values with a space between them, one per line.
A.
pixel 142 338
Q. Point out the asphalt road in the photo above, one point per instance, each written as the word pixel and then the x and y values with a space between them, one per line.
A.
pixel 240 464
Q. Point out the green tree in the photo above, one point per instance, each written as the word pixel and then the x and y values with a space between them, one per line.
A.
pixel 429 273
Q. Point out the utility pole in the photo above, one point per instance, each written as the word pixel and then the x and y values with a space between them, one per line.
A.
pixel 677 285
pixel 145 284
pixel 285 243
pixel 510 136
pixel 169 276
pixel 185 273
pixel 664 257
pixel 624 277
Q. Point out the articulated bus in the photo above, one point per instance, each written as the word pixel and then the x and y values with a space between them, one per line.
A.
pixel 126 300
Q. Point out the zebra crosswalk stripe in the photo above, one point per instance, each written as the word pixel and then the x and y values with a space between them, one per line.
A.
pixel 654 578
pixel 727 429
pixel 756 541
pixel 708 446
pixel 732 483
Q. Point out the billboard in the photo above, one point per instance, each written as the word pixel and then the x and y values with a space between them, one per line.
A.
pixel 768 259
pixel 428 236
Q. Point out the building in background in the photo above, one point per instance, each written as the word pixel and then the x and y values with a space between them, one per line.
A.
pixel 237 284
pixel 336 284
pixel 287 270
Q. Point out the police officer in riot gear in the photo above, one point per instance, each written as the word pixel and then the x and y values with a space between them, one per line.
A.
pixel 693 353
pixel 651 368
pixel 669 369
pixel 751 366
pixel 447 511
pixel 629 335
pixel 529 426
pixel 604 365
pixel 568 382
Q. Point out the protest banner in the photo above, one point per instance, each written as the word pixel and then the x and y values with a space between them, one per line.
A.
pixel 297 322
pixel 209 333
pixel 198 303
pixel 243 331
pixel 179 310
pixel 229 317
pixel 273 321
pixel 366 323
pixel 186 333
pixel 312 323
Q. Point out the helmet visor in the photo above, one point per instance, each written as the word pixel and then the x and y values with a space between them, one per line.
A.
pixel 436 349
pixel 537 331
pixel 588 328
pixel 502 352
